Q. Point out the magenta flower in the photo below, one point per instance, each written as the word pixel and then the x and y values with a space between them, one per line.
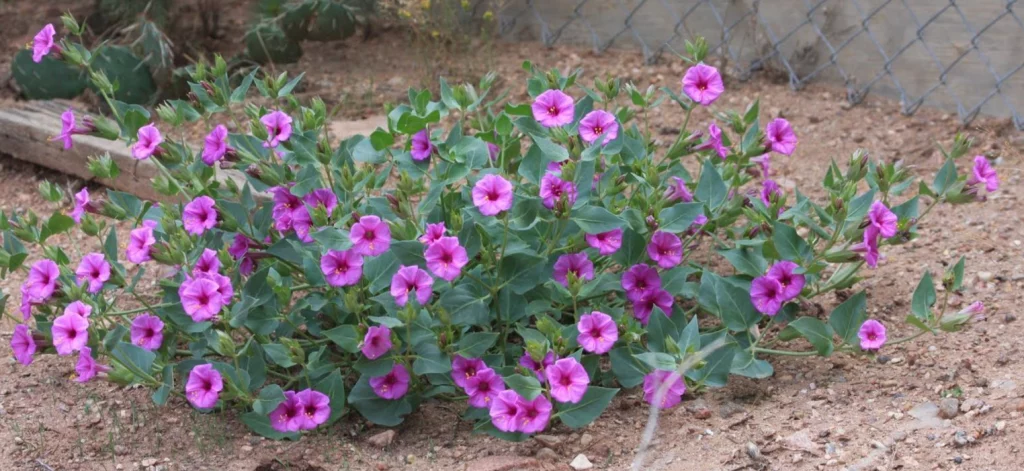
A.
pixel 638 279
pixel 526 361
pixel 552 190
pixel 983 173
pixel 411 279
pixel 316 408
pixel 765 161
pixel 714 141
pixel 673 394
pixel 606 243
pixel 769 189
pixel 279 128
pixel 215 146
pixel 41 281
pixel 492 194
pixel 199 215
pixel 883 219
pixel 493 151
pixel 87 368
pixel 555 168
pixel 27 301
pixel 598 332
pixel 147 331
pixel 599 123
pixel 432 233
pixel 779 137
pixel 533 416
pixel 140 242
pixel 666 249
pixel 504 410
pixel 288 416
pixel 322 197
pixel 69 127
pixel 445 258
pixel 79 308
pixel 342 268
pixel 767 295
pixel 148 143
pixel 201 298
pixel 553 108
pixel 93 269
pixel 42 43
pixel 70 333
pixel 376 342
pixel 576 263
pixel 677 191
pixel 240 246
pixel 421 147
pixel 204 386
pixel 285 206
pixel 23 345
pixel 703 84
pixel 784 273
pixel 370 236
pixel 393 385
pixel 465 368
pixel 82 205
pixel 207 263
pixel 869 247
pixel 568 380
pixel 872 335
pixel 645 303
pixel 483 388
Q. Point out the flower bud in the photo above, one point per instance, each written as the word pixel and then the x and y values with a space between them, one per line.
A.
pixel 225 344
pixel 168 114
pixel 652 222
pixel 952 322
pixel 113 211
pixel 536 350
pixel 105 128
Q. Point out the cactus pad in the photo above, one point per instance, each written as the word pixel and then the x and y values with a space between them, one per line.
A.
pixel 135 84
pixel 46 80
pixel 267 42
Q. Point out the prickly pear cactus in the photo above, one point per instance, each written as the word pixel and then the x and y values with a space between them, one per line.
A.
pixel 334 20
pixel 135 83
pixel 295 19
pixel 126 11
pixel 46 80
pixel 266 42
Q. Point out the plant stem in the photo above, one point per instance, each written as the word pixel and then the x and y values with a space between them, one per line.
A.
pixel 785 352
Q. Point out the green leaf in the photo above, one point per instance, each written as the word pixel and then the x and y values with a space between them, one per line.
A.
pixel 260 425
pixel 377 410
pixel 595 219
pixel 466 304
pixel 114 336
pixel 634 247
pixel 744 363
pixel 253 362
pixel 789 244
pixel 526 386
pixel 379 270
pixel 334 387
pixel 746 260
pixel 374 368
pixel 389 322
pixel 847 318
pixel 381 139
pixel 345 336
pixel 727 301
pixel 332 239
pixel 945 178
pixel 678 218
pixel 958 274
pixel 269 398
pixel 288 87
pixel 167 385
pixel 238 94
pixel 711 190
pixel 752 111
pixel 475 345
pixel 659 331
pixel 409 252
pixel 58 223
pixel 430 360
pixel 818 333
pixel 658 360
pixel 924 298
pixel 860 206
pixel 914 321
pixel 521 272
pixel 689 338
pixel 593 403
pixel 627 368
pixel 715 372
pixel 279 354
pixel 135 358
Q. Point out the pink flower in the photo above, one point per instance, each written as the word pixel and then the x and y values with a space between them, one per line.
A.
pixel 421 147
pixel 504 410
pixel 493 151
pixel 215 146
pixel 69 127
pixel 82 205
pixel 533 416
pixel 376 342
pixel 882 219
pixel 765 161
pixel 140 241
pixel 288 416
pixel 483 388
pixel 87 368
pixel 207 263
pixel 93 269
pixel 322 197
pixel 703 84
pixel 201 298
pixel 342 268
pixel 674 390
pixel 492 194
pixel 599 123
pixel 869 247
pixel 767 295
pixel 70 333
pixel 465 368
pixel 666 249
pixel 370 236
pixel 606 243
pixel 983 173
pixel 285 206
pixel 199 215
pixel 41 281
pixel 576 263
pixel 677 191
pixel 147 331
pixel 42 43
pixel 598 332
pixel 872 335
pixel 638 279
pixel 316 408
pixel 27 301
pixel 714 141
pixel 568 380
pixel 784 273
pixel 23 345
pixel 552 190
pixel 779 137
pixel 240 246
pixel 555 168
pixel 445 258
pixel 79 308
pixel 279 128
pixel 148 143
pixel 648 299
pixel 411 279
pixel 553 108
pixel 526 361
pixel 769 189
pixel 204 386
pixel 393 385
pixel 432 233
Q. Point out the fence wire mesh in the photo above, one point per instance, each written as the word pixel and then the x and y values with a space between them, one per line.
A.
pixel 955 54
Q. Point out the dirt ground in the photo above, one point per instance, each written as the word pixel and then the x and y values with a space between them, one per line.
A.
pixel 814 413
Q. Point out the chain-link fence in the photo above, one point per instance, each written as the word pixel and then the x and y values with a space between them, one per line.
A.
pixel 954 54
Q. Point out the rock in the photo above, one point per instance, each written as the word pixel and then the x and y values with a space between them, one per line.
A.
pixel 985 275
pixel 961 439
pixel 149 462
pixel 1001 425
pixel 383 439
pixel 730 409
pixel 546 454
pixel 504 463
pixel 949 407
pixel 550 441
pixel 753 452
pixel 801 441
pixel 586 439
pixel 410 459
pixel 971 404
pixel 580 462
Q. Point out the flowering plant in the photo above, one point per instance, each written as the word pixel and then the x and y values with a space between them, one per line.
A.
pixel 530 259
